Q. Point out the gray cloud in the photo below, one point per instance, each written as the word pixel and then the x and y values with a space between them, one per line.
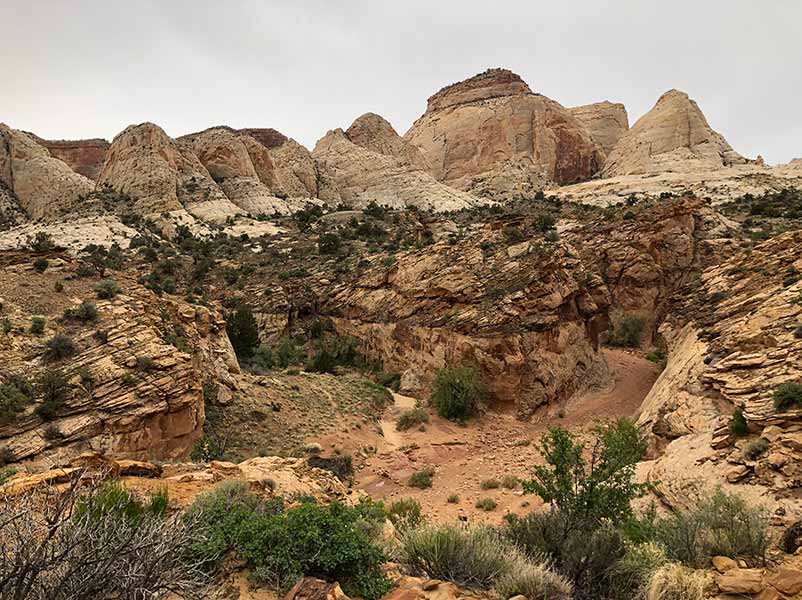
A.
pixel 88 68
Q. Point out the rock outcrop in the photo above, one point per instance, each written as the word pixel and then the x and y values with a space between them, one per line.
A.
pixel 161 175
pixel 130 392
pixel 44 186
pixel 83 156
pixel 673 136
pixel 731 345
pixel 361 175
pixel 232 161
pixel 492 133
pixel 374 133
pixel 605 121
pixel 527 313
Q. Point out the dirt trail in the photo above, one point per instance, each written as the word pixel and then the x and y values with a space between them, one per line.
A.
pixel 491 447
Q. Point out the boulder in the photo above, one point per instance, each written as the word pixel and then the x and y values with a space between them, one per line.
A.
pixel 309 588
pixel 741 581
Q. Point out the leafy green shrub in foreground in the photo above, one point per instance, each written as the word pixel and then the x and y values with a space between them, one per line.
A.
pixel 458 393
pixel 280 546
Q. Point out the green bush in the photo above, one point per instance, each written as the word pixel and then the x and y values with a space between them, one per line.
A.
pixel 458 393
pixel 510 482
pixel 60 346
pixel 486 504
pixel 6 474
pixel 628 332
pixel 411 418
pixel 329 243
pixel 738 425
pixel 53 388
pixel 205 450
pixel 107 289
pixel 723 525
pixel 86 312
pixel 37 325
pixel 755 448
pixel 15 394
pixel 145 364
pixel 405 514
pixel 339 351
pixel 287 353
pixel 40 265
pixel 262 360
pixel 490 484
pixel 243 331
pixel 788 395
pixel 342 466
pixel 113 499
pixel 280 546
pixel 453 499
pixel 422 479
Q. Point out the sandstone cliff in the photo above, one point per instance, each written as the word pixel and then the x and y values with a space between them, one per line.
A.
pixel 672 136
pixel 43 186
pixel 83 156
pixel 732 342
pixel 361 175
pixel 493 127
pixel 605 121
pixel 131 393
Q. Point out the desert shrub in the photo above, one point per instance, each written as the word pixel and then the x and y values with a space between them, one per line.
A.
pixel 675 582
pixel 453 499
pixel 510 482
pixel 544 222
pixel 390 380
pixel 40 265
pixel 80 543
pixel 6 474
pixel 262 360
pixel 630 575
pixel 788 395
pixel 206 449
pixel 37 325
pixel 86 311
pixel 490 484
pixel 755 448
pixel 41 242
pixel 627 332
pixel 287 353
pixel 422 479
pixel 329 243
pixel 338 351
pixel 486 504
pixel 15 394
pixel 798 332
pixel 411 418
pixel 458 393
pixel 471 556
pixel 533 581
pixel 101 336
pixel 145 364
pixel 53 388
pixel 243 331
pixel 405 514
pixel 106 289
pixel 342 466
pixel 723 525
pixel 738 425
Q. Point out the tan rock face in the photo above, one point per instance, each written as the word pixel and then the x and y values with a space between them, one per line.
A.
pixel 493 123
pixel 673 136
pixel 374 133
pixel 44 186
pixel 605 121
pixel 526 316
pixel 83 156
pixel 295 172
pixel 119 410
pixel 361 175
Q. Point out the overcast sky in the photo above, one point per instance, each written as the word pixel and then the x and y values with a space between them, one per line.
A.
pixel 86 68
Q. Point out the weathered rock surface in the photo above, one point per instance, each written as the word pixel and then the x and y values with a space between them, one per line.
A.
pixel 83 156
pixel 374 133
pixel 528 314
pixel 361 176
pixel 493 124
pixel 114 405
pixel 672 136
pixel 605 121
pixel 44 186
pixel 731 345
